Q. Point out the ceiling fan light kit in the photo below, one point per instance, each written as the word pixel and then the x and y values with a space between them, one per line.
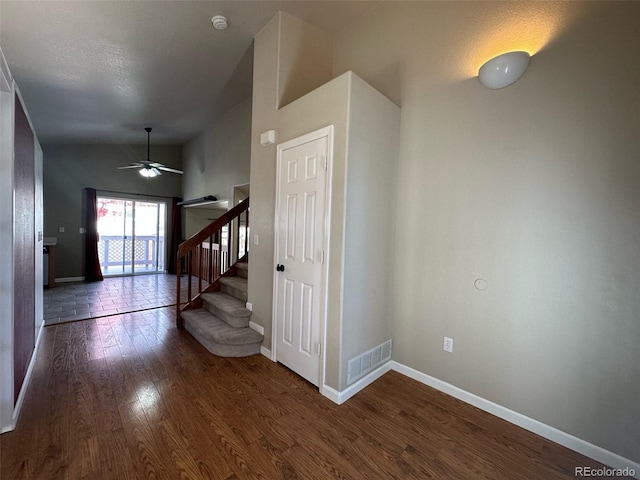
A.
pixel 149 169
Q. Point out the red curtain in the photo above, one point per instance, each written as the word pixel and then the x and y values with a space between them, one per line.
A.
pixel 92 271
pixel 176 234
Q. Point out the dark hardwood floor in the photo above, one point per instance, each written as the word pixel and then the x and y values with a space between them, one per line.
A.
pixel 131 397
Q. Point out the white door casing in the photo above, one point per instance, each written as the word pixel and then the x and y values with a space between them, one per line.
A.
pixel 301 240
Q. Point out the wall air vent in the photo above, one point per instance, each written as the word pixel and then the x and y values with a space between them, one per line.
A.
pixel 368 361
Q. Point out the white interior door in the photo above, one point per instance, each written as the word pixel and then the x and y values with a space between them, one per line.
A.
pixel 300 252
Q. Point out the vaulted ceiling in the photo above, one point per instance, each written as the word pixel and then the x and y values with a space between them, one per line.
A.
pixel 101 71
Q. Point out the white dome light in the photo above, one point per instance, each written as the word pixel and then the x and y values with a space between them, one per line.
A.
pixel 503 70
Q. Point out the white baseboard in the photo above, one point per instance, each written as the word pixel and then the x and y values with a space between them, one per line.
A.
pixel 69 279
pixel 257 328
pixel 266 352
pixel 25 383
pixel 576 444
pixel 344 395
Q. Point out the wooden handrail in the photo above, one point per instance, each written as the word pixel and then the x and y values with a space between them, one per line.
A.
pixel 213 227
pixel 206 256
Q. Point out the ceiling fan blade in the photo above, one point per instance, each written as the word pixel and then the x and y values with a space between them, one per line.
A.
pixel 155 164
pixel 172 170
pixel 130 166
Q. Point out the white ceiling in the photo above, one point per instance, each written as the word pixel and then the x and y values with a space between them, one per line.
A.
pixel 101 71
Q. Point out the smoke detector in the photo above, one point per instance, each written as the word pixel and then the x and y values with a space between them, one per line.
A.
pixel 219 22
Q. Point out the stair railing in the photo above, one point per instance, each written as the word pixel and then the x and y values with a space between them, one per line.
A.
pixel 209 254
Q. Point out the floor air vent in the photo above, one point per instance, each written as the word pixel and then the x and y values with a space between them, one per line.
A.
pixel 362 364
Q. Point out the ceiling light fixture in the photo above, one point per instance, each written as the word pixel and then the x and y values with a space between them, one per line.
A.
pixel 149 172
pixel 219 22
pixel 503 70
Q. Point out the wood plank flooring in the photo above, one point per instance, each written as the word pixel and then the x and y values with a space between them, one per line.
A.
pixel 131 397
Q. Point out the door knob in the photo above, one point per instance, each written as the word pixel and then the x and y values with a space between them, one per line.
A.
pixel 280 268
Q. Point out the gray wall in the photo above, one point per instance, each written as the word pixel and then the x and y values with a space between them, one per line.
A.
pixel 218 159
pixel 534 188
pixel 68 169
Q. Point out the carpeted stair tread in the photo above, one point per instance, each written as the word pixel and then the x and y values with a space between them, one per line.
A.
pixel 227 308
pixel 234 286
pixel 220 338
pixel 243 269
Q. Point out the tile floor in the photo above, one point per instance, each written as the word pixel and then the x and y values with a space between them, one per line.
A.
pixel 68 302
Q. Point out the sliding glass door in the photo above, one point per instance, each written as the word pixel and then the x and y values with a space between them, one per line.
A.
pixel 131 236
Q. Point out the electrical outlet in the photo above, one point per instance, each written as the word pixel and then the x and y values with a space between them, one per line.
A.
pixel 60 229
pixel 448 344
pixel 255 239
pixel 249 306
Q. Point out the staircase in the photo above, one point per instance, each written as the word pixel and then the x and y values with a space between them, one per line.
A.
pixel 215 261
pixel 222 323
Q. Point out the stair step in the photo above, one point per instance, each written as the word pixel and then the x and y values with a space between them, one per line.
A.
pixel 227 308
pixel 234 286
pixel 243 269
pixel 220 338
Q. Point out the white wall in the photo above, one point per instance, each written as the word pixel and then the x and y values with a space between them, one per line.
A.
pixel 534 188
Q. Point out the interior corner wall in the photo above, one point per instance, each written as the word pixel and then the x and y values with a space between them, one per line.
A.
pixel 68 169
pixel 533 188
pixel 305 59
pixel 369 239
pixel 219 158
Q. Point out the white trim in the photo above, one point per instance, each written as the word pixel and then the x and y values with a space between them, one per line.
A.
pixel 69 279
pixel 328 133
pixel 344 395
pixel 550 433
pixel 256 327
pixel 267 353
pixel 25 383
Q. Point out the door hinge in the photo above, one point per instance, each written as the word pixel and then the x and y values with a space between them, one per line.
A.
pixel 319 348
pixel 322 257
pixel 324 163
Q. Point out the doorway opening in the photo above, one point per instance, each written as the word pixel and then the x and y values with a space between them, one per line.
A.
pixel 132 236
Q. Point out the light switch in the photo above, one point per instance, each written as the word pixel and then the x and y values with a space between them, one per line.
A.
pixel 81 230
pixel 255 239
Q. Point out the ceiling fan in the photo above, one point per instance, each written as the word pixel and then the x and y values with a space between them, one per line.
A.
pixel 149 168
